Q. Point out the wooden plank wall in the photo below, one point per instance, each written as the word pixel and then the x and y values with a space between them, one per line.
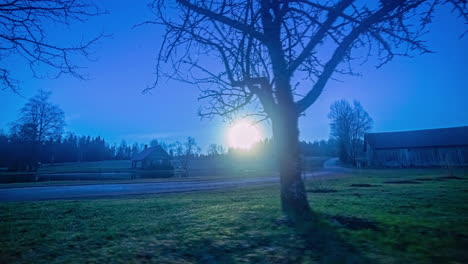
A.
pixel 419 157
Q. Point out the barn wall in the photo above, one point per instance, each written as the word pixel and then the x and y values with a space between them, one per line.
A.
pixel 389 158
pixel 419 157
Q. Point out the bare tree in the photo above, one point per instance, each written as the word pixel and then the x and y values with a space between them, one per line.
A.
pixel 257 52
pixel 39 120
pixel 348 126
pixel 215 150
pixel 23 33
pixel 46 119
pixel 185 151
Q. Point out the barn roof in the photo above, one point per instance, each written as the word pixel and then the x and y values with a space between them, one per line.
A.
pixel 156 152
pixel 440 137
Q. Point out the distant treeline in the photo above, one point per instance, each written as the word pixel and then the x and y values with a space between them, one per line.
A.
pixel 18 153
pixel 319 148
pixel 22 154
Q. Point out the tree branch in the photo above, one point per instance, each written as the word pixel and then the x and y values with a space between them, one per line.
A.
pixel 339 54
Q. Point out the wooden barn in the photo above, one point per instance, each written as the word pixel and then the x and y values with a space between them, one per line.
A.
pixel 152 158
pixel 419 148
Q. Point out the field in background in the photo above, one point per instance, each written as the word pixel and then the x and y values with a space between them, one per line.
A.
pixel 380 216
pixel 90 166
pixel 118 171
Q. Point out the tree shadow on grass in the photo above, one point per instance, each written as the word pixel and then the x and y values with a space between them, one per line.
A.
pixel 322 237
pixel 311 240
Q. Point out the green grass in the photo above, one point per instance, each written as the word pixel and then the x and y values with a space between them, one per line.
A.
pixel 361 218
pixel 108 166
pixel 71 167
pixel 94 182
pixel 89 166
pixel 205 172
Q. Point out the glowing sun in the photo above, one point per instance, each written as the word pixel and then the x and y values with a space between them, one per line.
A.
pixel 243 134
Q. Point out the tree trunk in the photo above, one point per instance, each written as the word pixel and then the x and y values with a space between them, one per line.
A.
pixel 286 138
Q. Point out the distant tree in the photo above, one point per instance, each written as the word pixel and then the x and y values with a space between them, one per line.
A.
pixel 44 119
pixel 20 150
pixel 71 151
pixel 135 149
pixel 185 151
pixel 154 142
pixel 318 148
pixel 39 120
pixel 266 49
pixel 23 34
pixel 348 124
pixel 83 143
pixel 215 150
pixel 123 151
pixel 4 149
pixel 25 148
pixel 113 151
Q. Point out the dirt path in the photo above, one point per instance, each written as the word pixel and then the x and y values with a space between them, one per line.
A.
pixel 109 190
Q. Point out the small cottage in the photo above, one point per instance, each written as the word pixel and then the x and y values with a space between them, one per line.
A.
pixel 152 158
pixel 418 148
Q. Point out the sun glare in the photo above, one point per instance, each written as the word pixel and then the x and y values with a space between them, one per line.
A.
pixel 243 134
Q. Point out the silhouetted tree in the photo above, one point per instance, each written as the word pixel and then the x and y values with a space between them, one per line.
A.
pixel 135 149
pixel 4 149
pixel 124 151
pixel 215 150
pixel 266 47
pixel 39 120
pixel 348 126
pixel 25 148
pixel 185 151
pixel 23 34
pixel 318 148
pixel 154 142
pixel 45 118
pixel 20 150
pixel 70 149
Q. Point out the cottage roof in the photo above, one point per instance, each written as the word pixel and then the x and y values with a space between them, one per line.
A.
pixel 155 152
pixel 441 137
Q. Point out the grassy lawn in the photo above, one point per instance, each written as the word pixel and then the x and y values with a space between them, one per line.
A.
pixel 395 216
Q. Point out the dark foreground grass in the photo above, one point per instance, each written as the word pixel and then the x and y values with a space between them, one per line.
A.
pixel 361 219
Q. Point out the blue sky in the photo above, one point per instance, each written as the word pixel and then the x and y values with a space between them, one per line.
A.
pixel 427 91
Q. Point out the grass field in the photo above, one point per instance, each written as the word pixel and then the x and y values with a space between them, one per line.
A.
pixel 108 166
pixel 395 216
pixel 89 166
pixel 102 172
